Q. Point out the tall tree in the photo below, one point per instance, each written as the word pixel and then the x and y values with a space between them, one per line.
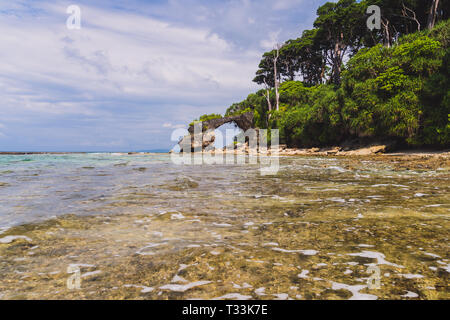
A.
pixel 269 75
pixel 341 27
pixel 398 17
pixel 305 58
pixel 265 76
pixel 432 15
pixel 265 72
pixel 277 77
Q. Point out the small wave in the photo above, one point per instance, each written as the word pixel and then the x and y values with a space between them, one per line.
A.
pixel 233 296
pixel 184 287
pixel 121 164
pixel 10 239
pixel 355 290
pixel 3 229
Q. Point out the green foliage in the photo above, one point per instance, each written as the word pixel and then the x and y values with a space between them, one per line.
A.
pixel 340 30
pixel 400 92
pixel 294 93
pixel 392 80
pixel 256 103
pixel 316 120
pixel 206 117
pixel 303 57
pixel 395 84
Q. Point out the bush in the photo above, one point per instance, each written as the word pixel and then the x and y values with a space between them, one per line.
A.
pixel 206 117
pixel 399 93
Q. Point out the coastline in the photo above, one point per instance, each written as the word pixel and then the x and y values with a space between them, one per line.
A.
pixel 378 150
pixel 413 159
pixel 365 151
pixel 283 151
pixel 418 159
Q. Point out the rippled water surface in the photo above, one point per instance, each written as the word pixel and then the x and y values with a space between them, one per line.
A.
pixel 140 227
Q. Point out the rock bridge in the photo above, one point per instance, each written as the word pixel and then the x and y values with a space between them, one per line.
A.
pixel 243 121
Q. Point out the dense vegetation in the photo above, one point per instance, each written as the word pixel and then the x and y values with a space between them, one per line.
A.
pixel 389 83
pixel 206 117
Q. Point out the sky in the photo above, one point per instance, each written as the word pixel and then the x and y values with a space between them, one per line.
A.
pixel 134 72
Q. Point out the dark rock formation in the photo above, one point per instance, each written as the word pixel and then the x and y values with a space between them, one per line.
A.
pixel 244 122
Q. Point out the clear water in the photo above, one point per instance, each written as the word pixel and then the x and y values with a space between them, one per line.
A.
pixel 140 227
pixel 38 187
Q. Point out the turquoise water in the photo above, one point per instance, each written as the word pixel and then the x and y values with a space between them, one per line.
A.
pixel 39 187
pixel 141 227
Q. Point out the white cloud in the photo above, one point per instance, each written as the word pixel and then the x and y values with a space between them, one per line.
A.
pixel 287 4
pixel 172 126
pixel 117 54
pixel 129 70
pixel 270 43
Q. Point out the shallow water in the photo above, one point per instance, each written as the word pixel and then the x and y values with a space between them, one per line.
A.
pixel 140 227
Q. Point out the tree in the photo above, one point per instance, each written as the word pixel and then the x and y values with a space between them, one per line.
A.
pixel 398 17
pixel 277 78
pixel 305 58
pixel 411 14
pixel 341 27
pixel 268 74
pixel 397 91
pixel 432 15
pixel 400 92
pixel 265 76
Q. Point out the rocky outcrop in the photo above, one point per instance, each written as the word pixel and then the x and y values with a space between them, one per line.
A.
pixel 367 151
pixel 356 150
pixel 207 137
pixel 244 122
pixel 198 141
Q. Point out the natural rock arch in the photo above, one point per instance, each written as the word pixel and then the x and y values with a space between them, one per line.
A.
pixel 244 122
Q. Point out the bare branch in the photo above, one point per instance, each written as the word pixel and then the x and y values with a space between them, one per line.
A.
pixel 413 16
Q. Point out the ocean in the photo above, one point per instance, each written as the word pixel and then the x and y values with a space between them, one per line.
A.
pixel 141 227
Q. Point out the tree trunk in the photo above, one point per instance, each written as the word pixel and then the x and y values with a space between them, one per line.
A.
pixel 432 14
pixel 277 81
pixel 412 17
pixel 267 96
pixel 386 33
pixel 337 62
pixel 269 104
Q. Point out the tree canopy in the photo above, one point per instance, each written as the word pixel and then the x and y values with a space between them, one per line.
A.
pixel 340 80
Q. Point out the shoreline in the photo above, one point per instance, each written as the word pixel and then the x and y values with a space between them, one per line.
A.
pixel 366 151
pixel 400 160
pixel 337 151
pixel 334 151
